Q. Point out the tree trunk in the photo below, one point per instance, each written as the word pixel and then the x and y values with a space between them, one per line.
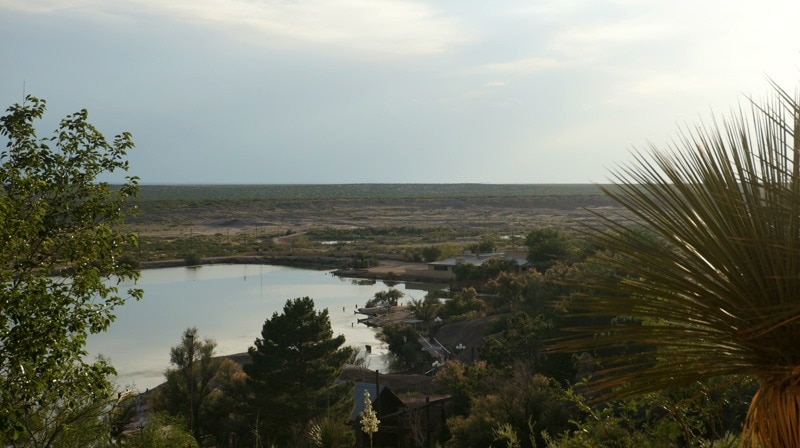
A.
pixel 773 420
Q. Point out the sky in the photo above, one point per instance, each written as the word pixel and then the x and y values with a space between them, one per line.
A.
pixel 393 91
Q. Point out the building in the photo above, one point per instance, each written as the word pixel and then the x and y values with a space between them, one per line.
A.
pixel 444 269
pixel 388 408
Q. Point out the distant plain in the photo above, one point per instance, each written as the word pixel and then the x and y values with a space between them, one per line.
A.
pixel 300 206
pixel 374 217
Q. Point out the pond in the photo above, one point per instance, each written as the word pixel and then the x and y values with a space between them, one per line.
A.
pixel 227 303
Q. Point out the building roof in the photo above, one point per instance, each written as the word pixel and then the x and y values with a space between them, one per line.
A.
pixel 358 397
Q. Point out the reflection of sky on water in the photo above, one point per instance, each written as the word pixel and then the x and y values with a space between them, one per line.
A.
pixel 228 303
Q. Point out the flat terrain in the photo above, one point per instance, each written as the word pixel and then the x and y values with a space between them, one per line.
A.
pixel 184 211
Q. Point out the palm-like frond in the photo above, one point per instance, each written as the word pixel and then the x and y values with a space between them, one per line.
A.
pixel 712 288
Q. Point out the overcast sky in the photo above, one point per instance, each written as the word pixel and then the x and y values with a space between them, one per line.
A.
pixel 354 91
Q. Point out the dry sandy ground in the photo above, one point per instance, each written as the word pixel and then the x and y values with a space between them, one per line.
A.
pixel 263 217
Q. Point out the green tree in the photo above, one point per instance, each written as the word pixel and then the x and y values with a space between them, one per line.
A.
pixel 489 269
pixel 527 403
pixel 714 294
pixel 162 431
pixel 522 341
pixel 483 398
pixel 402 340
pixel 546 246
pixel 463 304
pixel 486 245
pixel 77 421
pixel 680 417
pixel 465 271
pixel 432 253
pixel 427 308
pixel 363 260
pixel 462 382
pixel 225 409
pixel 495 266
pixel 196 386
pixel 390 296
pixel 509 287
pixel 56 217
pixel 293 372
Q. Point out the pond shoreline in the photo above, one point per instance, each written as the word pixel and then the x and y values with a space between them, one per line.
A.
pixel 319 263
pixel 340 267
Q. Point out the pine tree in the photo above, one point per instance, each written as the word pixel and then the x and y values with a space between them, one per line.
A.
pixel 293 372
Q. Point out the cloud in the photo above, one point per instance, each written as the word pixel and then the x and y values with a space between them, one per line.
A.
pixel 89 9
pixel 375 26
pixel 523 66
pixel 45 6
pixel 615 33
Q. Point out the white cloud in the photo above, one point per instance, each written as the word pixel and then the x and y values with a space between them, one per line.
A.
pixel 376 26
pixel 668 83
pixel 615 33
pixel 89 9
pixel 45 6
pixel 552 9
pixel 523 66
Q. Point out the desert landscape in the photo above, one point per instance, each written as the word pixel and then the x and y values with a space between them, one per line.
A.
pixel 384 220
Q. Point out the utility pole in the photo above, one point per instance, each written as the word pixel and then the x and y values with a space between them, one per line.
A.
pixel 190 353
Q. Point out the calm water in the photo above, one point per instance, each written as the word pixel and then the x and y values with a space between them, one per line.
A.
pixel 228 303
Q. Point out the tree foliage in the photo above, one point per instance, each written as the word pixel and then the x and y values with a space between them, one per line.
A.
pixel 402 340
pixel 293 372
pixel 714 293
pixel 426 309
pixel 489 269
pixel 487 244
pixel 201 388
pixel 432 253
pixel 77 421
pixel 484 398
pixel 463 305
pixel 57 217
pixel 546 246
pixel 162 431
pixel 389 297
pixel 523 341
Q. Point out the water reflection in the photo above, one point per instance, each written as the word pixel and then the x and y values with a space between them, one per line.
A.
pixel 229 304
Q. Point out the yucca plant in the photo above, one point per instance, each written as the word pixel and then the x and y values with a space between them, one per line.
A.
pixel 709 245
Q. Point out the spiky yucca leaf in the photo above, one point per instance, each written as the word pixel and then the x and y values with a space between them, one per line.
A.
pixel 712 288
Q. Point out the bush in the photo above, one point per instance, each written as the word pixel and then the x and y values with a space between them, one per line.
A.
pixel 192 259
pixel 462 303
pixel 402 340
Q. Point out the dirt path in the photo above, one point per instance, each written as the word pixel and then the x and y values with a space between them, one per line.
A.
pixel 287 239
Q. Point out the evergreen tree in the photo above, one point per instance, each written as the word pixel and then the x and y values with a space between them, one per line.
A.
pixel 293 372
